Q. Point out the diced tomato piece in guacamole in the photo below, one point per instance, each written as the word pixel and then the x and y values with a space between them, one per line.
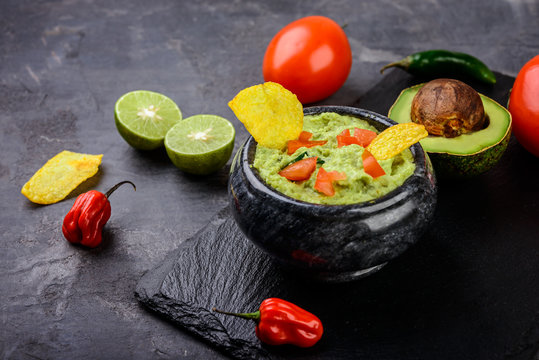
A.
pixel 371 165
pixel 361 137
pixel 303 141
pixel 300 170
pixel 325 179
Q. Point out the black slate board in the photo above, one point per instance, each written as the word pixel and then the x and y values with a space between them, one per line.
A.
pixel 467 290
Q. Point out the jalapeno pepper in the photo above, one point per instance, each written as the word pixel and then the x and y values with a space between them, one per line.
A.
pixel 90 212
pixel 444 63
pixel 281 322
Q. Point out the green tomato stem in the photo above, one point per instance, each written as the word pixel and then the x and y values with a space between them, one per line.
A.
pixel 253 316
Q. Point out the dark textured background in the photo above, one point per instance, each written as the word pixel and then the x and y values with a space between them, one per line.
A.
pixel 466 290
pixel 63 64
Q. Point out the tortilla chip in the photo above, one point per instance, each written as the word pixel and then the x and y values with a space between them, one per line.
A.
pixel 59 176
pixel 272 114
pixel 393 140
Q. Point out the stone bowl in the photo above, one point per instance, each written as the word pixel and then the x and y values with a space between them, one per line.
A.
pixel 332 242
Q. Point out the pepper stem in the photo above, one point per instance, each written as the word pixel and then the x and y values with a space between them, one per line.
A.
pixel 112 189
pixel 254 316
pixel 403 64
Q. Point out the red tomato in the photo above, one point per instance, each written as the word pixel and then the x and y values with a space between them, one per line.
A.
pixel 361 137
pixel 311 57
pixel 371 166
pixel 300 170
pixel 325 179
pixel 303 141
pixel 344 140
pixel 364 137
pixel 305 136
pixel 524 106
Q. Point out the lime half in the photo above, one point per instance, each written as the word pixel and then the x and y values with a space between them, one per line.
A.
pixel 200 144
pixel 144 117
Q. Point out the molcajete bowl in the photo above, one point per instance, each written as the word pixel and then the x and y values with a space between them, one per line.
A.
pixel 332 242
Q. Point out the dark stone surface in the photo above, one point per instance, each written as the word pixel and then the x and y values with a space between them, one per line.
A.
pixel 333 243
pixel 465 291
pixel 64 63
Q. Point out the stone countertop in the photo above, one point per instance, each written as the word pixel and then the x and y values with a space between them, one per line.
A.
pixel 63 64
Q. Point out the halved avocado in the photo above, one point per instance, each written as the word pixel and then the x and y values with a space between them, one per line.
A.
pixel 466 155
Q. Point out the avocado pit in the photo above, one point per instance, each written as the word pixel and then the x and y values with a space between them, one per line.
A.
pixel 448 108
pixel 464 156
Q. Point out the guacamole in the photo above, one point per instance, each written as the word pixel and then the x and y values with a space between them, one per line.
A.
pixel 358 186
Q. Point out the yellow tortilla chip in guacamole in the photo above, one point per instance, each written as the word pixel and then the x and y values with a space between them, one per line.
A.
pixel 395 139
pixel 272 114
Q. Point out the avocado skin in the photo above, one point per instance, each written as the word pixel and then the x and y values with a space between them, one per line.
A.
pixel 467 166
pixel 456 166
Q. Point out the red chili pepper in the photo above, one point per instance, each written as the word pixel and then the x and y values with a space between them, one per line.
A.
pixel 371 166
pixel 303 141
pixel 300 170
pixel 325 179
pixel 91 211
pixel 361 137
pixel 281 322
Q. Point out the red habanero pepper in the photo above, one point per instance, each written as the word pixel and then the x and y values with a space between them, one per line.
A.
pixel 280 322
pixel 91 211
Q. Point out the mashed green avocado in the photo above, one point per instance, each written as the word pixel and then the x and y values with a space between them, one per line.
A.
pixel 357 187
